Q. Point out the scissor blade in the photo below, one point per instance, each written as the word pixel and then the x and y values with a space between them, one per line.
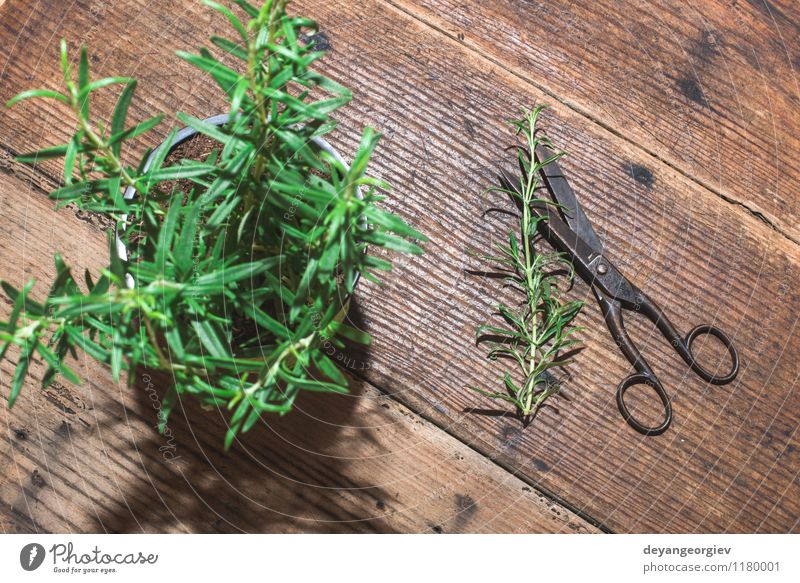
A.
pixel 562 193
pixel 586 257
pixel 560 234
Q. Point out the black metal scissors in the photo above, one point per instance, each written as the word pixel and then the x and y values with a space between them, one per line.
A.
pixel 568 230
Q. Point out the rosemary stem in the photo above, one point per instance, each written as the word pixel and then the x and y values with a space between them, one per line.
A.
pixel 98 143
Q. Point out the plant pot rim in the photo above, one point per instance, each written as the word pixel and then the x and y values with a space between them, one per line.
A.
pixel 184 135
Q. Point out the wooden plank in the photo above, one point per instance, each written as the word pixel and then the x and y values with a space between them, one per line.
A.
pixel 727 464
pixel 88 458
pixel 698 257
pixel 710 88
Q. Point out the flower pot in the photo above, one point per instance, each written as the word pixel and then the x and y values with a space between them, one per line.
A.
pixel 186 134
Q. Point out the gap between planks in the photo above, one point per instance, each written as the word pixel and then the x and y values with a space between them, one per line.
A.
pixel 749 211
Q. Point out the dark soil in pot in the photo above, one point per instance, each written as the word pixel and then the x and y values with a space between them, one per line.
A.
pixel 198 147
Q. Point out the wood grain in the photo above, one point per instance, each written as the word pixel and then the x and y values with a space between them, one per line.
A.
pixel 710 87
pixel 730 461
pixel 88 458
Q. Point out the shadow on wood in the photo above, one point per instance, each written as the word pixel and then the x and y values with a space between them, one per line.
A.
pixel 282 475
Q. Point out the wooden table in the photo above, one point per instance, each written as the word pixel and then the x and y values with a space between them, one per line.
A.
pixel 683 132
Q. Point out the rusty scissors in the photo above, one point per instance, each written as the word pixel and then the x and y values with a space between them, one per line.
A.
pixel 569 231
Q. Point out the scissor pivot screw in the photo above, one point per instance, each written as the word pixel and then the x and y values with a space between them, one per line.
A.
pixel 602 268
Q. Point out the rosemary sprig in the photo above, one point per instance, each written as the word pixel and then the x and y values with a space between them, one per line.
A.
pixel 536 334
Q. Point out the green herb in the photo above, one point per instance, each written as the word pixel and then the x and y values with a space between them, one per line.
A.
pixel 239 286
pixel 536 334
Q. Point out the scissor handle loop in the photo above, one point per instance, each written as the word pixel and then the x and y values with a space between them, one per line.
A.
pixel 652 382
pixel 715 379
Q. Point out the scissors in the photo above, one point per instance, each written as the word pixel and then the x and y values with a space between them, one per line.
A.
pixel 568 230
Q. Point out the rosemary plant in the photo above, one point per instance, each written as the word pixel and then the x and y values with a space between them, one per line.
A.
pixel 538 332
pixel 268 240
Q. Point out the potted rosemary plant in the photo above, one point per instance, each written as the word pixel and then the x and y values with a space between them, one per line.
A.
pixel 232 263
